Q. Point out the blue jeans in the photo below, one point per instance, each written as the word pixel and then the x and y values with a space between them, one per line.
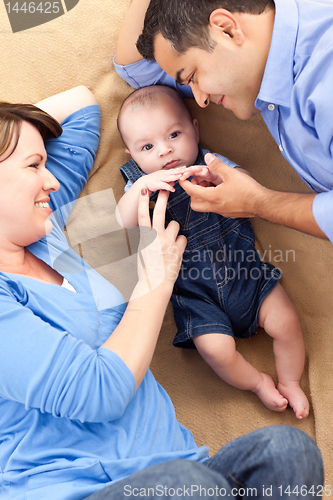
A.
pixel 279 462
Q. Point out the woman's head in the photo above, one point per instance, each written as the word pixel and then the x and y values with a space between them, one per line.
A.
pixel 25 182
pixel 11 118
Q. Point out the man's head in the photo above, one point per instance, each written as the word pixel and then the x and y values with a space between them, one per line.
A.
pixel 219 47
pixel 158 129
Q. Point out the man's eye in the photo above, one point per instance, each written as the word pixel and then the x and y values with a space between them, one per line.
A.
pixel 173 135
pixel 34 165
pixel 191 79
pixel 147 147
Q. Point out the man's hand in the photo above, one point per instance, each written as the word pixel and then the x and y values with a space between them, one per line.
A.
pixel 239 195
pixel 202 176
pixel 232 192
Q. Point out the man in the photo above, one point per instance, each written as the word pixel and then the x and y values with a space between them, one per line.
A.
pixel 255 56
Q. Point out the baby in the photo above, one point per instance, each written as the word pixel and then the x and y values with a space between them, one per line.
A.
pixel 223 289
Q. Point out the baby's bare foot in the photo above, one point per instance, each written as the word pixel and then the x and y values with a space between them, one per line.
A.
pixel 296 399
pixel 269 395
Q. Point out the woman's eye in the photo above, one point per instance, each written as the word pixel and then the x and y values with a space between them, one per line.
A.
pixel 34 165
pixel 174 134
pixel 147 147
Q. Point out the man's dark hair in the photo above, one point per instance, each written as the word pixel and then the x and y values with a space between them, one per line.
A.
pixel 185 22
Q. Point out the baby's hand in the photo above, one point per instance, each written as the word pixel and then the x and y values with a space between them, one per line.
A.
pixel 163 179
pixel 202 175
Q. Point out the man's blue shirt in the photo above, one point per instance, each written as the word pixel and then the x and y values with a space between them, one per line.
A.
pixel 296 96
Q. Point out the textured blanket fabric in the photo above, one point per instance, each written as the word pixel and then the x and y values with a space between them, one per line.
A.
pixel 77 49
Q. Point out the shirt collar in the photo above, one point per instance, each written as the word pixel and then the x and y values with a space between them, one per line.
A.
pixel 277 81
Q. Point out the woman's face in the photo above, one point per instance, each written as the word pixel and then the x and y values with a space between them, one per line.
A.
pixel 25 185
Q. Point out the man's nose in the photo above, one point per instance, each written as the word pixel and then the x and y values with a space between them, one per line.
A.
pixel 202 98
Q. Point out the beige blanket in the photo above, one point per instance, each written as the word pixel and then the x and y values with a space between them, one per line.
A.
pixel 77 48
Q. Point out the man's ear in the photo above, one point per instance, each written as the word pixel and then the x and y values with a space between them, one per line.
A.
pixel 224 23
pixel 196 128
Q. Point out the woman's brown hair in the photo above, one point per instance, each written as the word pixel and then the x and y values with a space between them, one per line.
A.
pixel 11 117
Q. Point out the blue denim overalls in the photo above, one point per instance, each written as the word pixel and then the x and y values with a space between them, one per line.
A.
pixel 222 280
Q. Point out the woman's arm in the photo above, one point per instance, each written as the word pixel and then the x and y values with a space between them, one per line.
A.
pixel 130 31
pixel 135 337
pixel 70 157
pixel 64 104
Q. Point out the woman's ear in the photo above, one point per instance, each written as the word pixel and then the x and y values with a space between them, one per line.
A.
pixel 127 151
pixel 224 23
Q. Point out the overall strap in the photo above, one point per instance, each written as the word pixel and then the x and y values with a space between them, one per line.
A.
pixel 131 171
pixel 200 158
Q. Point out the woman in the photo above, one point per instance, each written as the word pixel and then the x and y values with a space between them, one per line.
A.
pixel 80 412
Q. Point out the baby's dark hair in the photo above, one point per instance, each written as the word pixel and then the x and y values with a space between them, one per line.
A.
pixel 149 97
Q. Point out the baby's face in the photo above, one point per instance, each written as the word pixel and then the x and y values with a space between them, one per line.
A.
pixel 161 137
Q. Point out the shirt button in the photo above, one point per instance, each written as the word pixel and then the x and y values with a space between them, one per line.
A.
pixel 280 148
pixel 271 107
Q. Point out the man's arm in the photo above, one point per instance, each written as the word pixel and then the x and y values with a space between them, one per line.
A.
pixel 130 65
pixel 239 195
pixel 130 31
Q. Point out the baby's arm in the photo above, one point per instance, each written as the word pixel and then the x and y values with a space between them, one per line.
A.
pixel 130 31
pixel 127 208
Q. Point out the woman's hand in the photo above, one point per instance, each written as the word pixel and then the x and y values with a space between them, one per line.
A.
pixel 160 249
pixel 159 259
pixel 236 195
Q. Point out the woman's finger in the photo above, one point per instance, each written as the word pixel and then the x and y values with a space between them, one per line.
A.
pixel 143 209
pixel 159 211
pixel 173 230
